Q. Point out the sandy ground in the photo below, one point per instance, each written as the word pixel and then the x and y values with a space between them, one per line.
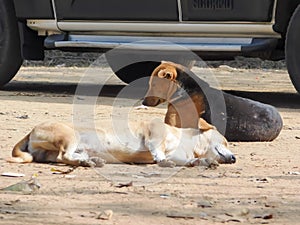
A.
pixel 261 188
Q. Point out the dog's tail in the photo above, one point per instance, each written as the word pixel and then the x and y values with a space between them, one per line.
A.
pixel 19 152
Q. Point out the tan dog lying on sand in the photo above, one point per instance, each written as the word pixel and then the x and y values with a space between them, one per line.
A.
pixel 154 142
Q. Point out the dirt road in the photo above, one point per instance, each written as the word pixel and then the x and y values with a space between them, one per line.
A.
pixel 261 188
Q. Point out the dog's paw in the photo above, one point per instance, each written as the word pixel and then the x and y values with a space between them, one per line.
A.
pixel 87 163
pixel 98 161
pixel 206 162
pixel 194 162
pixel 166 163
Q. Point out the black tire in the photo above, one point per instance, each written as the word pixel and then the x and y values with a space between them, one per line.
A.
pixel 135 71
pixel 292 49
pixel 10 52
pixel 130 65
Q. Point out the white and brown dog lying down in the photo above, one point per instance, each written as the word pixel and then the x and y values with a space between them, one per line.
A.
pixel 155 142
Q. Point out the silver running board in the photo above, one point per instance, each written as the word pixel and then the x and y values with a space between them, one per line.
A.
pixel 149 43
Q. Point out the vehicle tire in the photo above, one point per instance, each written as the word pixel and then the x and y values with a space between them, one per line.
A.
pixel 130 65
pixel 292 49
pixel 139 70
pixel 136 71
pixel 10 52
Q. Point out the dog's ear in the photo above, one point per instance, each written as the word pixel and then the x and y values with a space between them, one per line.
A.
pixel 204 126
pixel 166 70
pixel 166 73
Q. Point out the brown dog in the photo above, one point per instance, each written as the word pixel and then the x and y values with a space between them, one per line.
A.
pixel 189 98
pixel 184 107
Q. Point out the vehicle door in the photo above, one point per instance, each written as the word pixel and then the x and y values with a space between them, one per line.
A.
pixel 117 10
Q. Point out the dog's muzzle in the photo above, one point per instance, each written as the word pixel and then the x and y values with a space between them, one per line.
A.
pixel 232 159
pixel 152 101
pixel 225 156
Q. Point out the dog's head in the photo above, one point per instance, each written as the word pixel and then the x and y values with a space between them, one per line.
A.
pixel 162 84
pixel 213 145
pixel 170 82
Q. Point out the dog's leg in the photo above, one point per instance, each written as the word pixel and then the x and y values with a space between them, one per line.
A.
pixel 154 141
pixel 98 161
pixel 60 156
pixel 77 162
pixel 80 158
pixel 157 152
pixel 206 162
pixel 69 156
pixel 166 163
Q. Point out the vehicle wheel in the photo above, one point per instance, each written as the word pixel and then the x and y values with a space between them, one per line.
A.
pixel 292 49
pixel 135 71
pixel 130 65
pixel 10 52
